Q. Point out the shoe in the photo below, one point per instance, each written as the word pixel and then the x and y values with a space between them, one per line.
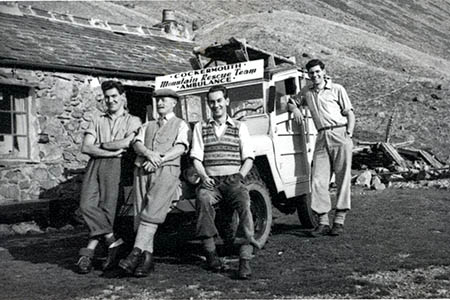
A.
pixel 145 265
pixel 130 263
pixel 116 251
pixel 213 261
pixel 84 264
pixel 337 229
pixel 245 272
pixel 320 230
pixel 255 243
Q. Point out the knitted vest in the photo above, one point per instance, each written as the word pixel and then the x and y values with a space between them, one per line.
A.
pixel 225 151
pixel 162 139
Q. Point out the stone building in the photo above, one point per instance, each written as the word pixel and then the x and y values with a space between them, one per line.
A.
pixel 51 67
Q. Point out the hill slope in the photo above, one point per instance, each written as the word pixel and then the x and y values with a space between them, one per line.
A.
pixel 387 53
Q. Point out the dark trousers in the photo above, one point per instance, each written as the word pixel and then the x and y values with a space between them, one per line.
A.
pixel 230 192
pixel 99 194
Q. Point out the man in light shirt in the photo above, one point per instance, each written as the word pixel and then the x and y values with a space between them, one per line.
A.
pixel 106 139
pixel 222 156
pixel 159 145
pixel 333 116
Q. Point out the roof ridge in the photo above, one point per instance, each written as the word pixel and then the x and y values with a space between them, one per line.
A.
pixel 99 24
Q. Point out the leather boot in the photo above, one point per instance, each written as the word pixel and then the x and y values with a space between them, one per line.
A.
pixel 130 263
pixel 213 261
pixel 116 251
pixel 245 272
pixel 84 264
pixel 145 266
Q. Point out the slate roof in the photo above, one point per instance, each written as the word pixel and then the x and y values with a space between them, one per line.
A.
pixel 43 43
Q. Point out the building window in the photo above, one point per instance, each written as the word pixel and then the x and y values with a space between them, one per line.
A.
pixel 14 124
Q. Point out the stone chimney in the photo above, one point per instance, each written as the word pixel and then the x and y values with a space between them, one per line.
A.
pixel 172 27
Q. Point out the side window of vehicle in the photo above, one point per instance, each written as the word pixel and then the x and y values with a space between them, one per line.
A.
pixel 192 108
pixel 284 89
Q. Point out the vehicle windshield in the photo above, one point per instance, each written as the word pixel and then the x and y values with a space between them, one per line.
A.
pixel 244 101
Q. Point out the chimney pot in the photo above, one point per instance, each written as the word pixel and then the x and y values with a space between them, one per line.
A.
pixel 168 16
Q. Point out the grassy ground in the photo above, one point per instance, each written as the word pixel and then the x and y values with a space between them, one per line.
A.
pixel 395 245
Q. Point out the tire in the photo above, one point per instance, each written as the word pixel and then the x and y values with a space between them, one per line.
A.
pixel 305 214
pixel 261 206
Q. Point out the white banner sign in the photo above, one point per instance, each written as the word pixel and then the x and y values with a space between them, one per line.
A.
pixel 225 74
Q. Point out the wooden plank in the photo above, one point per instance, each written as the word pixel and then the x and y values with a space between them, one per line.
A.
pixel 430 159
pixel 392 153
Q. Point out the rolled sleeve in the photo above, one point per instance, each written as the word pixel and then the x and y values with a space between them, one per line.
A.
pixel 183 136
pixel 344 101
pixel 197 146
pixel 247 150
pixel 91 129
pixel 140 134
pixel 134 125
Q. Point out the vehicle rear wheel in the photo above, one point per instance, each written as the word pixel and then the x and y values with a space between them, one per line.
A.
pixel 305 214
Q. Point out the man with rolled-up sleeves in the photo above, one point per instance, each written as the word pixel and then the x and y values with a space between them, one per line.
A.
pixel 106 139
pixel 333 116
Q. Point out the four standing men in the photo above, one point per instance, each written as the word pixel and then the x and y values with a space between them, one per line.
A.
pixel 334 119
pixel 106 139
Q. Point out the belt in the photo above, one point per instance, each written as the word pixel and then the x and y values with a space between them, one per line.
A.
pixel 332 127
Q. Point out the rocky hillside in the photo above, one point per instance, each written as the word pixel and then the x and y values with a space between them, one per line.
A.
pixel 393 56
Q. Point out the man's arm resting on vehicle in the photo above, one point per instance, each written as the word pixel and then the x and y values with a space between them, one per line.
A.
pixel 298 116
pixel 246 167
pixel 88 147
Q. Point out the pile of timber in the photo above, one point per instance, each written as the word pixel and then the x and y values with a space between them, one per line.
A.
pixel 379 164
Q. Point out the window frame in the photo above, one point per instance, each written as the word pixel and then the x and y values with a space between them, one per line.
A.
pixel 17 92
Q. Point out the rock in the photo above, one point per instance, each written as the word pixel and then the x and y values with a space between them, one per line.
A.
pixel 380 114
pixel 435 96
pixel 364 179
pixel 50 229
pixel 5 230
pixel 376 184
pixel 67 227
pixel 26 227
pixel 428 84
pixel 10 192
pixel 381 170
pixel 5 255
pixel 419 98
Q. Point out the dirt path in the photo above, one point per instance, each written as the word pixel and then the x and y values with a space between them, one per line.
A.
pixel 395 246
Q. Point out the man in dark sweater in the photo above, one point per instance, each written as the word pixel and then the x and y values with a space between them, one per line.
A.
pixel 223 155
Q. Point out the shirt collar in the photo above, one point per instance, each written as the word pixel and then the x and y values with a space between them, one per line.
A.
pixel 228 121
pixel 168 116
pixel 327 85
pixel 108 115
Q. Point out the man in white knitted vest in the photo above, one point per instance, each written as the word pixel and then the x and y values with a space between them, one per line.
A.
pixel 222 155
pixel 159 145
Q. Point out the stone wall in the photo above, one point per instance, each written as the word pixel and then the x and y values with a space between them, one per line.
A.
pixel 61 106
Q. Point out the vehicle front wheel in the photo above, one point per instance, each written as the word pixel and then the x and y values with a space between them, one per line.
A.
pixel 261 207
